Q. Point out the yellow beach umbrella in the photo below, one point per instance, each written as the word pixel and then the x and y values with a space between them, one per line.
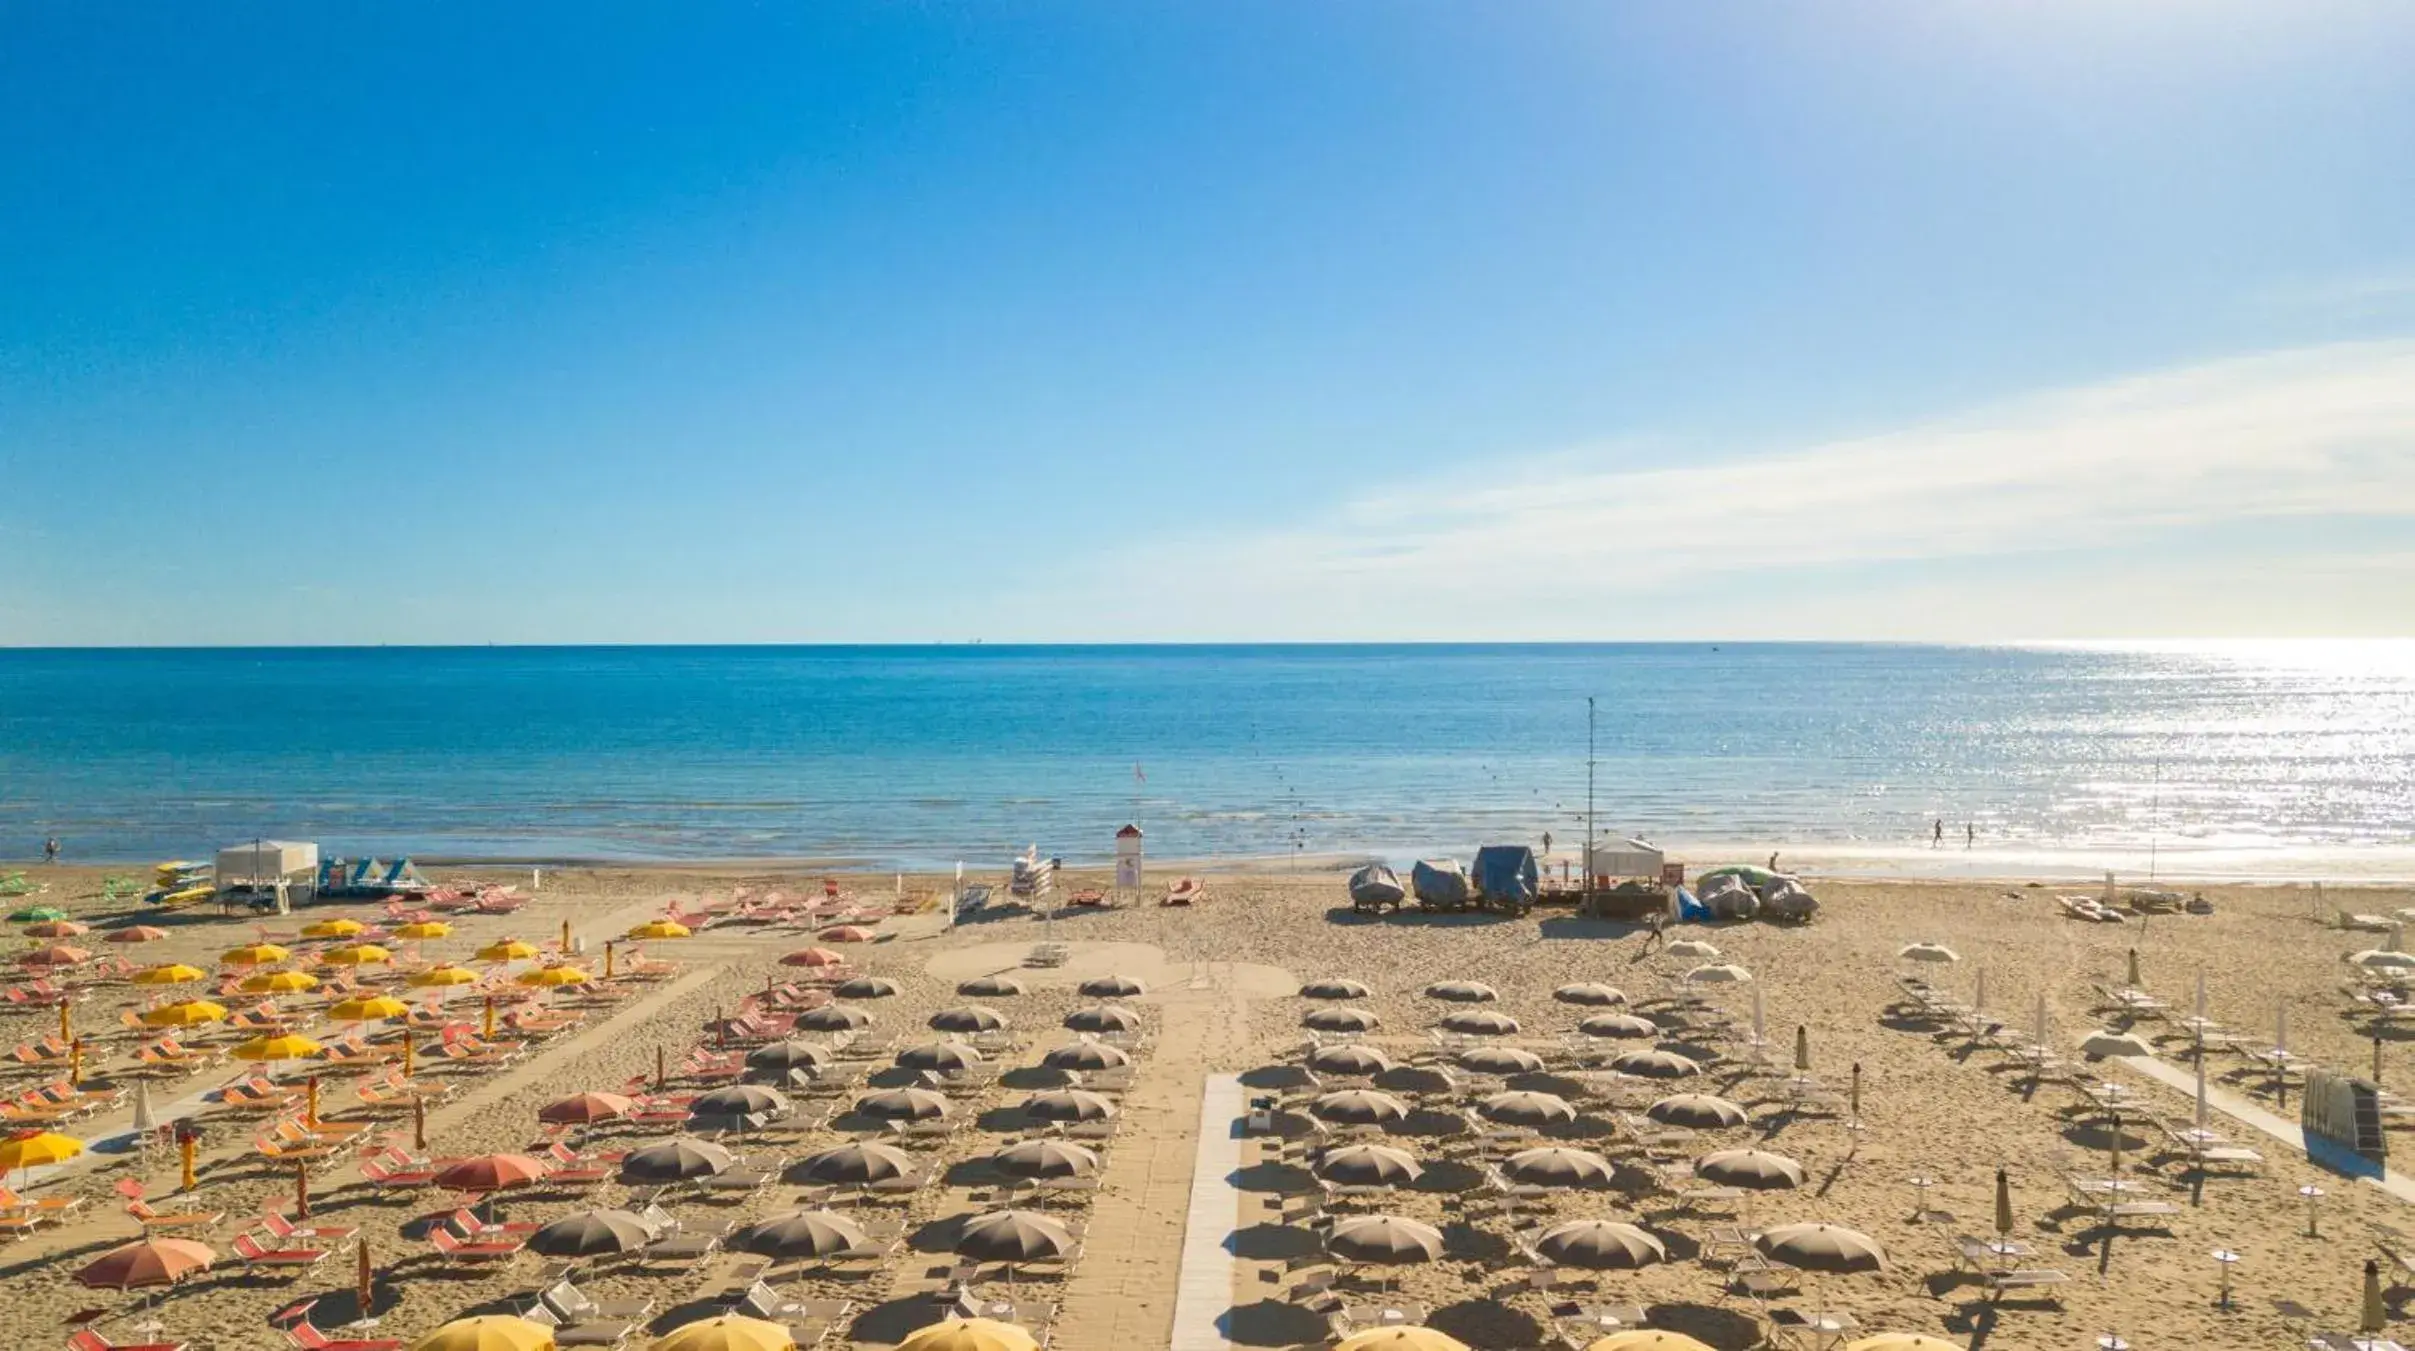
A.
pixel 174 973
pixel 555 975
pixel 729 1332
pixel 488 1332
pixel 282 1046
pixel 279 982
pixel 506 950
pixel 359 954
pixel 969 1334
pixel 1400 1339
pixel 257 954
pixel 32 1149
pixel 368 1009
pixel 1648 1339
pixel 442 975
pixel 425 928
pixel 187 1013
pixel 333 928
pixel 660 928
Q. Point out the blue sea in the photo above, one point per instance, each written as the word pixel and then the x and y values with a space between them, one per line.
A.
pixel 920 756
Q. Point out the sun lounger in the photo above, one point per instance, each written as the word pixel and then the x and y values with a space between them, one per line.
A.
pixel 87 1339
pixel 253 1253
pixel 576 1332
pixel 301 1332
pixel 455 1249
pixel 44 1209
pixel 1999 1282
pixel 155 1221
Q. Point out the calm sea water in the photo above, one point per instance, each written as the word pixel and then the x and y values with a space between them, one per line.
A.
pixel 919 756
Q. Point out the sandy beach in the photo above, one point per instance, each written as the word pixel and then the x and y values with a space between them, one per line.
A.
pixel 1221 981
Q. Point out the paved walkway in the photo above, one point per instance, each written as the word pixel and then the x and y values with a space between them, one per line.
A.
pixel 1205 1291
pixel 2249 1113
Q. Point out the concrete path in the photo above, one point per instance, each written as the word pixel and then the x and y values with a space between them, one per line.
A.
pixel 1205 1291
pixel 2254 1115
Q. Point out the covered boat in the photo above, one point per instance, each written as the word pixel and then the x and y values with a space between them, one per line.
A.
pixel 1375 887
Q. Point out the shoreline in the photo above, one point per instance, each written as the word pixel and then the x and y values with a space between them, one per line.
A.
pixel 2376 865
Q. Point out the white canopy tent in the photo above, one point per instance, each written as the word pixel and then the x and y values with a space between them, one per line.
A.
pixel 268 865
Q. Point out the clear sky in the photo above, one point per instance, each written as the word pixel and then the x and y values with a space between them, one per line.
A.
pixel 1099 321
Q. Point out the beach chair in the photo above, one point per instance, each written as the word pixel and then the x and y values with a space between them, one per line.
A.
pixel 283 1229
pixel 1814 1331
pixel 564 1297
pixel 459 1251
pixel 156 1221
pixel 87 1339
pixel 385 1176
pixel 41 1209
pixel 300 1331
pixel 253 1253
pixel 1999 1283
pixel 572 1332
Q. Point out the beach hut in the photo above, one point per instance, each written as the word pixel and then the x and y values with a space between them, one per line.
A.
pixel 283 870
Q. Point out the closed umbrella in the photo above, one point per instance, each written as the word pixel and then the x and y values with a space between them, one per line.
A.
pixel 2372 1317
pixel 1619 1027
pixel 1348 1061
pixel 803 1233
pixel 1113 987
pixel 969 1018
pixel 1462 992
pixel 1696 1111
pixel 2004 1215
pixel 1340 1020
pixel 1013 1236
pixel 728 1332
pixel 1369 1166
pixel 969 1334
pixel 1045 1158
pixel 904 1104
pixel 1086 1056
pixel 1359 1107
pixel 1481 1023
pixel 679 1160
pixel 2135 982
pixel 1103 1018
pixel 1599 1245
pixel 1589 995
pixel 1526 1109
pixel 144 1122
pixel 1334 989
pixel 591 1233
pixel 1802 1049
pixel 939 1055
pixel 868 987
pixel 856 1164
pixel 1068 1105
pixel 991 987
pixel 1558 1166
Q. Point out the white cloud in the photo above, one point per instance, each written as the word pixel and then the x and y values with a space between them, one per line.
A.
pixel 2133 465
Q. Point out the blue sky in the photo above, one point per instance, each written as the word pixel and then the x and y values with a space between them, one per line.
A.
pixel 1094 321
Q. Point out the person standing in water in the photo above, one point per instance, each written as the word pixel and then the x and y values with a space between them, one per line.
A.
pixel 50 850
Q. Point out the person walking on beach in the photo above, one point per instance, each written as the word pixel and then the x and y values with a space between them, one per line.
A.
pixel 1773 860
pixel 1937 834
pixel 50 850
pixel 1655 930
pixel 1970 834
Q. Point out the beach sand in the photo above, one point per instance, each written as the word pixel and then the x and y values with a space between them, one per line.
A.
pixel 1220 1001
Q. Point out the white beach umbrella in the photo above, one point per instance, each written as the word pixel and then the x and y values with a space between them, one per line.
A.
pixel 2109 1043
pixel 1936 954
pixel 1718 974
pixel 143 1122
pixel 1693 950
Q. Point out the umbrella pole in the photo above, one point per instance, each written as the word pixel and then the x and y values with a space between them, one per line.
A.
pixel 301 1190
